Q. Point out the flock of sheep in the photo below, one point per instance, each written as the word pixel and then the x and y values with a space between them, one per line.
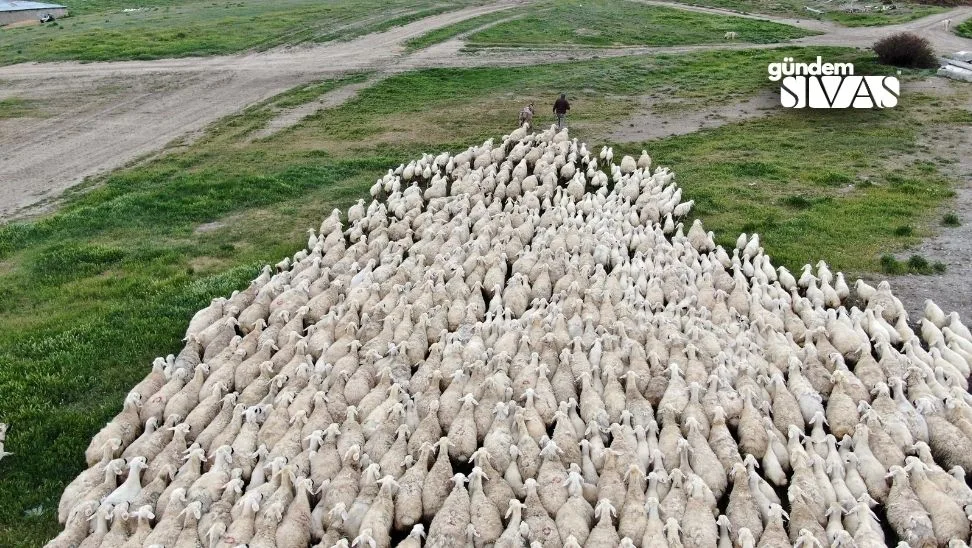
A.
pixel 512 347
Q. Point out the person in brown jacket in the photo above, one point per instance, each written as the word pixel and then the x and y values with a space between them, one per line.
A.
pixel 560 108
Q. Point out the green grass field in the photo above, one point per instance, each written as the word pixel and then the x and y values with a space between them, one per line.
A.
pixel 841 198
pixel 103 32
pixel 965 29
pixel 15 107
pixel 448 32
pixel 608 23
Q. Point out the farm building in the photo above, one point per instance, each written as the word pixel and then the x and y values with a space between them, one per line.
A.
pixel 14 11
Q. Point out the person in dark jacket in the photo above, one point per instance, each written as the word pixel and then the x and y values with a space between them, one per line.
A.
pixel 560 108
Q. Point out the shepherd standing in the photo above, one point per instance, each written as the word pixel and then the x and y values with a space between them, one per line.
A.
pixel 560 108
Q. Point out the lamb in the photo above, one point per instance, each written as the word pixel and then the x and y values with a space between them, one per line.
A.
pixel 484 515
pixel 126 426
pixel 127 492
pixel 698 524
pixel 101 518
pixel 168 527
pixel 378 519
pixel 449 524
pixel 241 529
pixel 155 405
pixel 906 515
pixel 604 534
pixel 947 517
pixel 730 35
pixel 144 516
pixel 265 526
pixel 293 530
pixel 76 526
pixel 86 481
pixel 542 528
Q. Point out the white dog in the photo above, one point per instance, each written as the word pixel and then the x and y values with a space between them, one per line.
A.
pixel 946 23
pixel 730 35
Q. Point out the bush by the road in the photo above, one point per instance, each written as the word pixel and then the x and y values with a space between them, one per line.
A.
pixel 905 49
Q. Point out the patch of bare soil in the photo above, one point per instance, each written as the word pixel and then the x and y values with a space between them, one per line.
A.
pixel 19 24
pixel 658 119
pixel 951 290
pixel 209 227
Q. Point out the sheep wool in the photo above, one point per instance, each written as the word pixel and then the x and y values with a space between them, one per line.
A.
pixel 525 344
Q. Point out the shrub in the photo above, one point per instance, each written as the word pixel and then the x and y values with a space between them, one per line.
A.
pixel 798 202
pixel 905 49
pixel 890 265
pixel 917 263
pixel 832 178
pixel 951 219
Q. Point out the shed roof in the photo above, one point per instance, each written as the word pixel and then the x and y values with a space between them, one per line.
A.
pixel 18 5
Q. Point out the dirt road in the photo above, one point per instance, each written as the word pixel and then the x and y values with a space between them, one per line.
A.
pixel 100 116
pixel 131 109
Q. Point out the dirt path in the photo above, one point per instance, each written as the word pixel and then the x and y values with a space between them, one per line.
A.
pixel 657 120
pixel 930 27
pixel 140 106
pixel 135 108
pixel 951 245
pixel 809 24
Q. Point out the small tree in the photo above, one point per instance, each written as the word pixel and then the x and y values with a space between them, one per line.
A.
pixel 905 49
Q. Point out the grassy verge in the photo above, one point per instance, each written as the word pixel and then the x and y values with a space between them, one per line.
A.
pixel 965 29
pixel 309 92
pixel 205 28
pixel 623 23
pixel 15 107
pixel 447 33
pixel 90 294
